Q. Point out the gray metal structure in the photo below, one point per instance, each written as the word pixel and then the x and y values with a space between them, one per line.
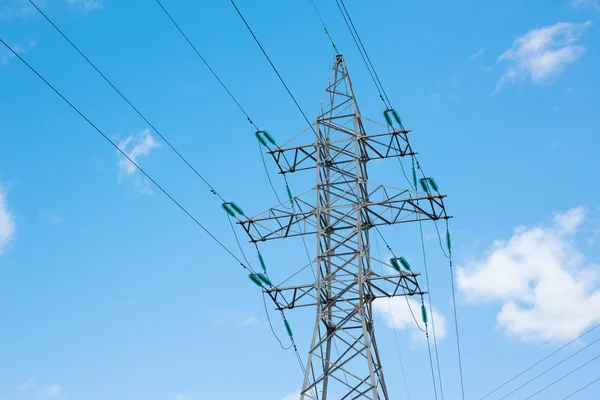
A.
pixel 343 360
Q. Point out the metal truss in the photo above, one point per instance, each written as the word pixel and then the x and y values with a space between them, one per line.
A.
pixel 383 205
pixel 343 360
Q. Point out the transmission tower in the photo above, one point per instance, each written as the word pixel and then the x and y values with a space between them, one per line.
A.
pixel 343 360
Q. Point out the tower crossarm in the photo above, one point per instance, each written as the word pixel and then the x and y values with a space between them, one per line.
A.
pixel 385 206
pixel 381 286
pixel 376 146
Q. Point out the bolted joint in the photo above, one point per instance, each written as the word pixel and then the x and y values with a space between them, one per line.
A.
pixel 370 327
pixel 331 329
pixel 370 297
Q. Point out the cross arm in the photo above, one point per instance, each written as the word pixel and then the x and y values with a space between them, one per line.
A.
pixel 402 284
pixel 375 146
pixel 383 206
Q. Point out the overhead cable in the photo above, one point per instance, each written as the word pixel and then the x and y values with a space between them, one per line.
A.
pixel 213 72
pixel 562 377
pixel 541 361
pixel 212 189
pixel 549 369
pixel 206 63
pixel 273 66
pixel 325 27
pixel 363 52
pixel 125 155
pixel 581 388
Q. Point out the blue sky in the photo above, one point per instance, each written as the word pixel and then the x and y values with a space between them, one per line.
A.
pixel 108 291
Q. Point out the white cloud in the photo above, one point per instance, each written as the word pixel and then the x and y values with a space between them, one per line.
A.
pixel 22 9
pixel 548 290
pixel 238 320
pixel 478 54
pixel 543 53
pixel 7 223
pixel 15 9
pixel 396 313
pixel 136 146
pixel 87 5
pixel 252 321
pixel 52 217
pixel 292 396
pixel 585 4
pixel 28 384
pixel 54 390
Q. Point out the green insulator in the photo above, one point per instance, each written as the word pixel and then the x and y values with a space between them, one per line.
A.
pixel 254 279
pixel 269 137
pixel 289 192
pixel 288 328
pixel 424 185
pixel 260 138
pixel 262 262
pixel 433 184
pixel 414 171
pixel 404 263
pixel 394 263
pixel 397 117
pixel 228 210
pixel 388 120
pixel 236 208
pixel 448 240
pixel 263 278
pixel 424 314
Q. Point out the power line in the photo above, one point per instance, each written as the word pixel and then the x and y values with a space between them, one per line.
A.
pixel 425 331
pixel 407 302
pixel 360 50
pixel 273 66
pixel 580 389
pixel 237 240
pixel 550 369
pixel 293 344
pixel 365 50
pixel 540 361
pixel 247 267
pixel 125 155
pixel 429 349
pixel 324 27
pixel 206 63
pixel 212 71
pixel 212 189
pixel 562 377
pixel 454 308
pixel 231 95
pixel 437 357
pixel 462 385
pixel 428 287
pixel 271 325
pixel 393 325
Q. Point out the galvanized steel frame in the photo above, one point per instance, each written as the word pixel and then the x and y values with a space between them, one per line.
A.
pixel 347 207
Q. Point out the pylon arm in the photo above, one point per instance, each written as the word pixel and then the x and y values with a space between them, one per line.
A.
pixel 402 284
pixel 375 147
pixel 385 206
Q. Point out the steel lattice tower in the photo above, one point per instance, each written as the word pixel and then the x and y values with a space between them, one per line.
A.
pixel 343 360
